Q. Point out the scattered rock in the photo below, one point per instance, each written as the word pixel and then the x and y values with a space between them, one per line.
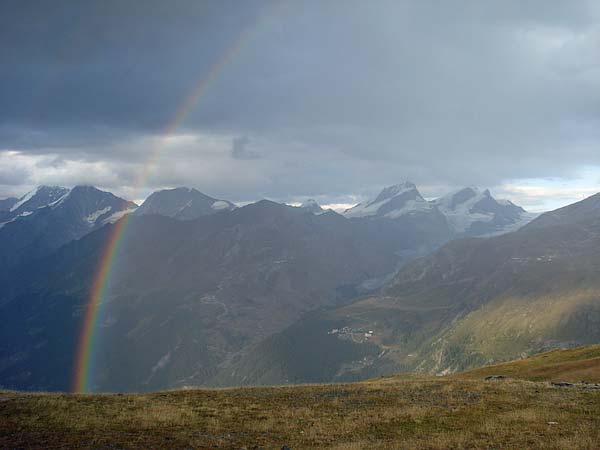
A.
pixel 562 384
pixel 495 378
pixel 552 423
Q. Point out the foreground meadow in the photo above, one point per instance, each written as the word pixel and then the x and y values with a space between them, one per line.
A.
pixel 431 413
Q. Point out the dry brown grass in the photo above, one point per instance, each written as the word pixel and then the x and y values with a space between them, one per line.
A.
pixel 574 365
pixel 389 413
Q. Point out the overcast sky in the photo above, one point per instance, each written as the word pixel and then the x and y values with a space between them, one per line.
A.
pixel 325 99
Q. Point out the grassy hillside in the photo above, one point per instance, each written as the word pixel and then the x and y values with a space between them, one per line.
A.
pixel 573 365
pixel 391 412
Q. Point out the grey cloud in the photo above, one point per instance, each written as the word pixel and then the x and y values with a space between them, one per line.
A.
pixel 11 177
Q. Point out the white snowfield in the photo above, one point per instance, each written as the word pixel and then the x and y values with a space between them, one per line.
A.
pixel 24 199
pixel 219 205
pixel 117 215
pixel 410 207
pixel 91 218
pixel 461 216
pixel 61 199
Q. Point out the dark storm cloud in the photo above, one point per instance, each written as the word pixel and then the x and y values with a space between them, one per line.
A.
pixel 336 97
pixel 126 64
pixel 239 149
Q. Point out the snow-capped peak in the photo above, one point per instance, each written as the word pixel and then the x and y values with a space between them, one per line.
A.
pixel 469 211
pixel 182 203
pixel 392 202
pixel 452 200
pixel 473 207
pixel 37 198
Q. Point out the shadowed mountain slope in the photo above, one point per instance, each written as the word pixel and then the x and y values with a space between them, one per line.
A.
pixel 586 209
pixel 185 296
pixel 7 203
pixel 267 294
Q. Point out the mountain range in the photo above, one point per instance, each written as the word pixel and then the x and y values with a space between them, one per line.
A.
pixel 185 295
pixel 48 217
pixel 475 301
pixel 207 293
pixel 468 212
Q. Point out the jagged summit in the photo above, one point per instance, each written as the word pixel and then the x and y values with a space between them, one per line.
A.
pixel 392 191
pixel 456 198
pixel 182 203
pixel 37 198
pixel 474 211
pixel 392 202
pixel 81 204
pixel 93 206
pixel 312 206
pixel 470 211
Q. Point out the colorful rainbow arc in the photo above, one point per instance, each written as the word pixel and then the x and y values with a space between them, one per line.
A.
pixel 86 343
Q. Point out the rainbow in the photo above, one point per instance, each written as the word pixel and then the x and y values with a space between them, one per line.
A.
pixel 84 356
